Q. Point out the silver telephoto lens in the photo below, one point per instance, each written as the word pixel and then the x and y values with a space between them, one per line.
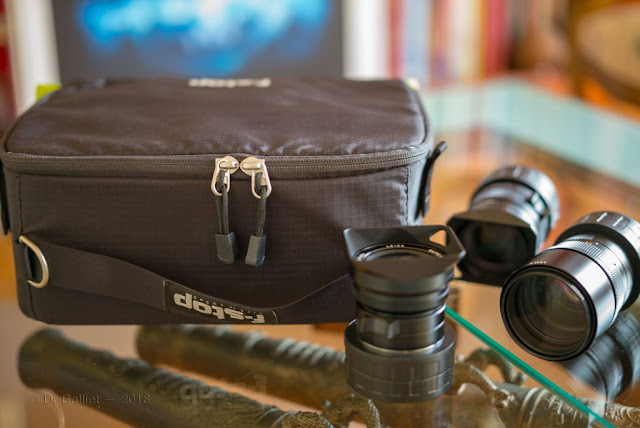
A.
pixel 555 306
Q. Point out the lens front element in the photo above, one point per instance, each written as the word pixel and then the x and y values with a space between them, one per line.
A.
pixel 397 251
pixel 549 310
pixel 493 247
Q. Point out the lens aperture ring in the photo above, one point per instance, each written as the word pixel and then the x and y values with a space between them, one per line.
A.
pixel 607 260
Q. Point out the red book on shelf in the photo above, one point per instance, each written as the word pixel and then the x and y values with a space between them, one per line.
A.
pixel 6 97
pixel 396 21
pixel 497 37
pixel 440 41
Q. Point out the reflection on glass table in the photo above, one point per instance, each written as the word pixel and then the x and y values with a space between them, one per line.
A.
pixel 300 372
pixel 612 365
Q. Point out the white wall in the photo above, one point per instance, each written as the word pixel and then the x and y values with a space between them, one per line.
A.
pixel 32 48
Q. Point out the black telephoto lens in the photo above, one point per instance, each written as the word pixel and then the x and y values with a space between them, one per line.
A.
pixel 399 348
pixel 509 218
pixel 555 306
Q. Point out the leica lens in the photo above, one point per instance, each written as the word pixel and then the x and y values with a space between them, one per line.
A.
pixel 555 306
pixel 399 348
pixel 509 217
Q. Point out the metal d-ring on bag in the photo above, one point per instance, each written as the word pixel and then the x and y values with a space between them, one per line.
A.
pixel 44 266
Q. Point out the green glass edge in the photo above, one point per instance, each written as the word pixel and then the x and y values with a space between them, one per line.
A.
pixel 524 367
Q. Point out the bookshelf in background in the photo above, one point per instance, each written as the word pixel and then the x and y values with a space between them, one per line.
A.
pixel 465 40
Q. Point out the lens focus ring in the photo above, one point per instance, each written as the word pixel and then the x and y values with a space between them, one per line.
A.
pixel 604 257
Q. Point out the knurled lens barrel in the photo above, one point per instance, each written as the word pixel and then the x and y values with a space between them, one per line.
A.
pixel 399 348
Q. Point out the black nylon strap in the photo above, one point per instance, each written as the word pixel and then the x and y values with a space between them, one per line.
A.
pixel 102 275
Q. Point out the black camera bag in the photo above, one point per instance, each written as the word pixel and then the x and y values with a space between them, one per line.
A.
pixel 107 191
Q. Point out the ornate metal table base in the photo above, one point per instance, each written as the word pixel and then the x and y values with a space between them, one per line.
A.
pixel 298 371
pixel 307 373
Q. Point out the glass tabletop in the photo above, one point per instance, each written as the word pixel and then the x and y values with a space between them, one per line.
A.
pixel 589 154
pixel 597 387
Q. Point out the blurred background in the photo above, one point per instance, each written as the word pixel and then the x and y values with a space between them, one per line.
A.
pixel 592 45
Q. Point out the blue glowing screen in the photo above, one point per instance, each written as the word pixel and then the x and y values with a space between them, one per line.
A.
pixel 137 38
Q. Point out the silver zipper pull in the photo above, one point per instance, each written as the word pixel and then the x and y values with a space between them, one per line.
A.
pixel 257 169
pixel 227 166
pixel 252 167
pixel 226 243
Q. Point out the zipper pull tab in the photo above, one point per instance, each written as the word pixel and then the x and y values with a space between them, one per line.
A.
pixel 261 189
pixel 227 166
pixel 257 169
pixel 226 243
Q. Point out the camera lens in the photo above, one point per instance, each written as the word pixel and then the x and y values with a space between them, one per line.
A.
pixel 561 301
pixel 399 348
pixel 509 218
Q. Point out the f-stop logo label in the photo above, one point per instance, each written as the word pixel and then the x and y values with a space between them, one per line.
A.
pixel 178 298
